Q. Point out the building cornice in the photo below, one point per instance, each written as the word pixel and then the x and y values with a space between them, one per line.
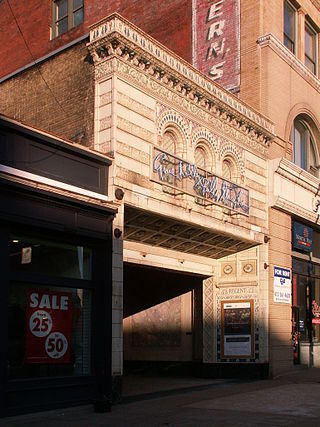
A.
pixel 269 40
pixel 305 184
pixel 116 37
pixel 298 176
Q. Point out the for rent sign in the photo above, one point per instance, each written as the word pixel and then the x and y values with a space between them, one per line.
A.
pixel 48 328
pixel 282 285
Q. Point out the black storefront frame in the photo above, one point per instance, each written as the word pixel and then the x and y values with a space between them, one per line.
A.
pixel 37 217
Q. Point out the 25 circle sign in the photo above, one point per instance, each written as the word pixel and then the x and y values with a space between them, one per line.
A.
pixel 40 323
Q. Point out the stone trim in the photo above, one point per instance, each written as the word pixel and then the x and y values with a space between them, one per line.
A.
pixel 269 40
pixel 134 105
pixel 219 122
pixel 295 174
pixel 115 36
pixel 135 130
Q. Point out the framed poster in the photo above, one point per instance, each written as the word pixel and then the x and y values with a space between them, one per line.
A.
pixel 48 326
pixel 237 329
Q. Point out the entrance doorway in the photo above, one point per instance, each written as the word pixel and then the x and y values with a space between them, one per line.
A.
pixel 162 327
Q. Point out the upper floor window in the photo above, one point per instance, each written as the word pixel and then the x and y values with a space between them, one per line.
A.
pixel 66 15
pixel 304 151
pixel 289 26
pixel 310 57
pixel 169 141
pixel 200 158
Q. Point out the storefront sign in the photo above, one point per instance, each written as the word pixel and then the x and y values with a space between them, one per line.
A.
pixel 281 285
pixel 216 35
pixel 48 328
pixel 315 313
pixel 237 328
pixel 302 236
pixel 188 178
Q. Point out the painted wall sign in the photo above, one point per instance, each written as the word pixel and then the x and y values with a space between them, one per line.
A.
pixel 190 179
pixel 48 327
pixel 216 40
pixel 281 285
pixel 237 328
pixel 302 236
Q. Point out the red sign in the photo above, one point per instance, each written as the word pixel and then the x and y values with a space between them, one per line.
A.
pixel 315 313
pixel 48 328
pixel 217 40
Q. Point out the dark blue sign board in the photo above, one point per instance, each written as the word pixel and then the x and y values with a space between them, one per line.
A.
pixel 302 237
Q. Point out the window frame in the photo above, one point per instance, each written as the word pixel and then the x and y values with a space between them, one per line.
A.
pixel 313 33
pixel 310 150
pixel 70 17
pixel 287 4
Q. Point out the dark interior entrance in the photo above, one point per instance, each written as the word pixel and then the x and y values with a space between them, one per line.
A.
pixel 162 320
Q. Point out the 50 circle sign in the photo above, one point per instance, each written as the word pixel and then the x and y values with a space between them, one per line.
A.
pixel 48 326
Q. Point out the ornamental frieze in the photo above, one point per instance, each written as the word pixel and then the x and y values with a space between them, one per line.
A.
pixel 224 128
pixel 116 36
pixel 167 75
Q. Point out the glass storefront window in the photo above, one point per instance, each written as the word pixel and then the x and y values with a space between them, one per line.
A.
pixel 49 330
pixel 31 255
pixel 306 297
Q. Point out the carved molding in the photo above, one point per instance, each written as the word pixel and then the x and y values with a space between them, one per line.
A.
pixel 209 325
pixel 230 148
pixel 134 105
pixel 105 99
pixel 269 40
pixel 116 37
pixel 294 209
pixel 169 116
pixel 204 134
pixel 135 130
pixel 105 123
pixel 130 176
pixel 133 153
pixel 298 176
pixel 222 127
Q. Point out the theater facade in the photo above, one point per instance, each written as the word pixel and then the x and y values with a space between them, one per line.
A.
pixel 188 178
pixel 190 169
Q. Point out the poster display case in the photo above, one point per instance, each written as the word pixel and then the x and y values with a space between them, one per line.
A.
pixel 237 329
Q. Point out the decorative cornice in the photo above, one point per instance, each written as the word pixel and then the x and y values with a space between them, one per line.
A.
pixel 316 4
pixel 269 40
pixel 116 37
pixel 298 176
pixel 293 209
pixel 219 123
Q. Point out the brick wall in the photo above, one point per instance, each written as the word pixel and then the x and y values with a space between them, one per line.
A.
pixel 56 96
pixel 167 21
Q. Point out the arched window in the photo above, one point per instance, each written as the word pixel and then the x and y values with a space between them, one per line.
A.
pixel 204 156
pixel 229 169
pixel 169 142
pixel 304 149
pixel 200 158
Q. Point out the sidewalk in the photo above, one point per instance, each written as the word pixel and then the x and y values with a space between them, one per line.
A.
pixel 291 399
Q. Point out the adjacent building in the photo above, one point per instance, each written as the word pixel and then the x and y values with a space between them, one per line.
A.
pixel 56 252
pixel 280 77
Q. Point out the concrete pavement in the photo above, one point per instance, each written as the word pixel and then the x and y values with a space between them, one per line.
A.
pixel 288 400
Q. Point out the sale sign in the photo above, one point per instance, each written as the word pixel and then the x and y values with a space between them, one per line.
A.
pixel 48 326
